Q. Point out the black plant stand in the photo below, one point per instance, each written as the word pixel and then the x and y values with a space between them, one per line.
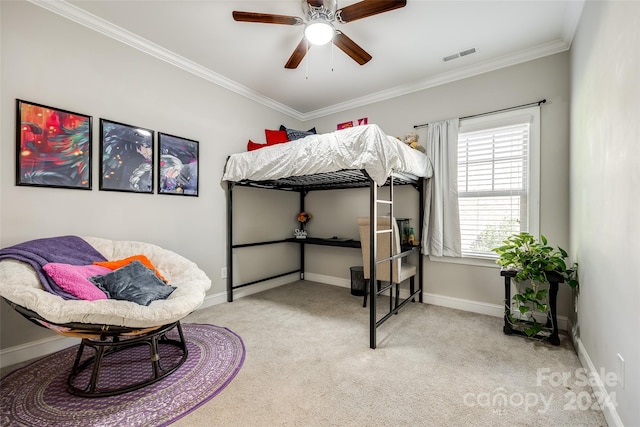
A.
pixel 552 320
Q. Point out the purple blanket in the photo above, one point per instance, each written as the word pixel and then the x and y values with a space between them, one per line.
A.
pixel 64 249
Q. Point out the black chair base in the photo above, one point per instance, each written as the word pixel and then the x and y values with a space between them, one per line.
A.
pixel 111 344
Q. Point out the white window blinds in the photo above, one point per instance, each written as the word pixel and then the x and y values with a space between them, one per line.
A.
pixel 492 186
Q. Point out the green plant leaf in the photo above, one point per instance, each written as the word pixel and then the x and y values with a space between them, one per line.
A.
pixel 542 307
pixel 533 329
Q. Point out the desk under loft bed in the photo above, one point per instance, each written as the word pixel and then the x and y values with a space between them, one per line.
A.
pixel 361 157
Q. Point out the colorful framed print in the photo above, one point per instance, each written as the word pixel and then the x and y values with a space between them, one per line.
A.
pixel 345 125
pixel 53 147
pixel 177 165
pixel 126 157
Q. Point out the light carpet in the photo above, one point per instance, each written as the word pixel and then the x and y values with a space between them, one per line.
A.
pixel 309 364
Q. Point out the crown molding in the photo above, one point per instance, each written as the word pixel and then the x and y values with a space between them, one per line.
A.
pixel 444 78
pixel 82 17
pixel 93 22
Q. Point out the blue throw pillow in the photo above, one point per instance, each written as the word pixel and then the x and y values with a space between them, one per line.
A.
pixel 133 282
pixel 294 134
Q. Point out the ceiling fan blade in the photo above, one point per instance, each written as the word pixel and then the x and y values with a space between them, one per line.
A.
pixel 266 18
pixel 351 48
pixel 367 8
pixel 298 54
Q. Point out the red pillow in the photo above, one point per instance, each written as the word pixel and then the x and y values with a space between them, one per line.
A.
pixel 276 136
pixel 254 146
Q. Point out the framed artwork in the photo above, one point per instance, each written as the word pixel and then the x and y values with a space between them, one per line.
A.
pixel 345 125
pixel 363 121
pixel 53 147
pixel 127 157
pixel 177 165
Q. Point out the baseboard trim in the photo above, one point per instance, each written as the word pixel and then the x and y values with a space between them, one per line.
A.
pixel 221 297
pixel 608 406
pixel 35 349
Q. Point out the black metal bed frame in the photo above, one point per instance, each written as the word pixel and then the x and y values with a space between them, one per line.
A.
pixel 344 179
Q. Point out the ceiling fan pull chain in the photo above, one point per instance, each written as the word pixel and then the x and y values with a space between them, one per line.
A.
pixel 332 57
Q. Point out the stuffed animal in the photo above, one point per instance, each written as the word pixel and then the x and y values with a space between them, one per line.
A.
pixel 411 139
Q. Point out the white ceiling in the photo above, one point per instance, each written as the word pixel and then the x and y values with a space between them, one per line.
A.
pixel 407 45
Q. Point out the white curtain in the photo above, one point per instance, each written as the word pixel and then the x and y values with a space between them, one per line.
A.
pixel 441 218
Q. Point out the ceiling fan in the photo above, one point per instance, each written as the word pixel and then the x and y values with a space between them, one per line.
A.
pixel 320 16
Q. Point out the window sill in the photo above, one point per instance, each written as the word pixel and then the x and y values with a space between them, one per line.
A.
pixel 474 261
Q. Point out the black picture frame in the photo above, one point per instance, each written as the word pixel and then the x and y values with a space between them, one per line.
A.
pixel 126 157
pixel 177 165
pixel 53 147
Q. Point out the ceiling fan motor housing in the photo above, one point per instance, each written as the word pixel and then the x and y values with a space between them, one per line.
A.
pixel 325 10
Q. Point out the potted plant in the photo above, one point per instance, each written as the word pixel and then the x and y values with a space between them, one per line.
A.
pixel 535 265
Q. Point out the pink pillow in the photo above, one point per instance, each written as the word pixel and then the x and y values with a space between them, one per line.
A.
pixel 74 279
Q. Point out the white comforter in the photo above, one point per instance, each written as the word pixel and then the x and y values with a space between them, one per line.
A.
pixel 361 147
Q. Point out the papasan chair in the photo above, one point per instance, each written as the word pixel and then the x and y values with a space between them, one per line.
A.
pixel 109 326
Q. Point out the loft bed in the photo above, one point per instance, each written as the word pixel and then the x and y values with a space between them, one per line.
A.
pixel 359 157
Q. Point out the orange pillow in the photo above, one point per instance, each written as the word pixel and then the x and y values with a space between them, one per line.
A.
pixel 114 265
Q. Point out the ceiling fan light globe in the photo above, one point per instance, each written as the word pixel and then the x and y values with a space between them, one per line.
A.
pixel 319 33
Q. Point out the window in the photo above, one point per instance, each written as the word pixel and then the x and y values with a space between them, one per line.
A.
pixel 498 170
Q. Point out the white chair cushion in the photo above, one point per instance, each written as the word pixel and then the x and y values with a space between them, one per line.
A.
pixel 19 284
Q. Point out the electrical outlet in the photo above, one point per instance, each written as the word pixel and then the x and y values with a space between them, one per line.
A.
pixel 223 273
pixel 620 360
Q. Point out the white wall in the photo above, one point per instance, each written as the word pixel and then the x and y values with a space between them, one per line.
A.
pixel 50 60
pixel 605 235
pixel 528 82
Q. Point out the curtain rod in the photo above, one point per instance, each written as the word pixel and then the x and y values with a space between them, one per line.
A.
pixel 538 103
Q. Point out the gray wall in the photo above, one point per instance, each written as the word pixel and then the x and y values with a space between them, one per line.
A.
pixel 605 155
pixel 527 82
pixel 50 60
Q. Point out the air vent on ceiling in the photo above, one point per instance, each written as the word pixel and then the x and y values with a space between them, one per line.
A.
pixel 468 51
pixel 459 54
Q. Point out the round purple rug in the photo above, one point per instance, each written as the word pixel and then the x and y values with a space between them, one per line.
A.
pixel 36 395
